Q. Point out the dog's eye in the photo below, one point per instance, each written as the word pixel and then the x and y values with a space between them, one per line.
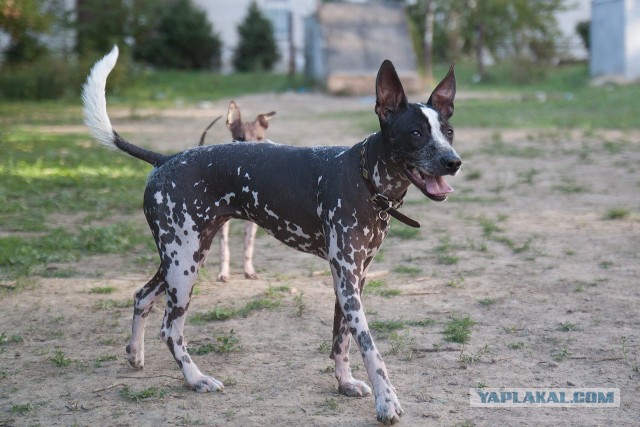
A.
pixel 416 133
pixel 449 132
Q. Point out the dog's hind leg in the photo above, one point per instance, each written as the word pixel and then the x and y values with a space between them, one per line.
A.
pixel 249 241
pixel 182 272
pixel 143 301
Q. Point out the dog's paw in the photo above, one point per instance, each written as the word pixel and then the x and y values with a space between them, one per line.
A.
pixel 354 388
pixel 388 409
pixel 135 358
pixel 251 275
pixel 223 277
pixel 207 384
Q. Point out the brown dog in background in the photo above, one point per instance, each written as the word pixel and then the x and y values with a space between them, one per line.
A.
pixel 240 131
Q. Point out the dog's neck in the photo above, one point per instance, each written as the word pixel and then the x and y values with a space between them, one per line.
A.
pixel 387 177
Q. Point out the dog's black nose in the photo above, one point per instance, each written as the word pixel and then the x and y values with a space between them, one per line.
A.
pixel 452 163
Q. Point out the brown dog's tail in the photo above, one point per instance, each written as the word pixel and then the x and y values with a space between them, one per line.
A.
pixel 205 131
pixel 95 112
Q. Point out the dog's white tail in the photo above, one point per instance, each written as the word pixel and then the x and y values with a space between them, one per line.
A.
pixel 95 102
pixel 95 112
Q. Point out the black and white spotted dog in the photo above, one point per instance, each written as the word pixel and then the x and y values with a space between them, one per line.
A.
pixel 333 202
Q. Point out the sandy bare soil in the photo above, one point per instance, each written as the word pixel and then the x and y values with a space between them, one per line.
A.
pixel 523 247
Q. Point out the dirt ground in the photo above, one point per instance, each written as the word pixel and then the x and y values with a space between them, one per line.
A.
pixel 539 245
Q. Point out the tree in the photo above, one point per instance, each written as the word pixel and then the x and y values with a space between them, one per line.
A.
pixel 99 26
pixel 22 20
pixel 516 28
pixel 257 49
pixel 521 28
pixel 176 35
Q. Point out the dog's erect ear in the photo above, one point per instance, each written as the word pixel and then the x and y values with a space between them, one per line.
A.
pixel 390 97
pixel 442 96
pixel 263 119
pixel 233 115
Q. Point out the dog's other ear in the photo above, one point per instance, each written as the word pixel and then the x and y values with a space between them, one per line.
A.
pixel 390 97
pixel 233 115
pixel 263 119
pixel 442 96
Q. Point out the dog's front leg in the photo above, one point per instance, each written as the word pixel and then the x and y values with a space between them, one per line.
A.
pixel 143 301
pixel 347 385
pixel 348 270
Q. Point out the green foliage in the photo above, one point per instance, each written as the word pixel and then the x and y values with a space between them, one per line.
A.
pixel 137 396
pixel 183 38
pixel 458 329
pixel 43 175
pixel 519 28
pixel 583 28
pixel 257 49
pixel 224 344
pixel 272 299
pixel 99 26
pixel 60 360
pixel 20 20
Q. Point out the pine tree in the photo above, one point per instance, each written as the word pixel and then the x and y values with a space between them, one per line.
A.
pixel 257 49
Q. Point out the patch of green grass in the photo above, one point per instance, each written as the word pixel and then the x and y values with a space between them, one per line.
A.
pixel 471 358
pixel 165 87
pixel 383 328
pixel 447 259
pixel 136 396
pixel 272 299
pixel 617 213
pixel 567 327
pixel 560 354
pixel 300 305
pixel 100 360
pixel 21 409
pixel 217 314
pixel 472 175
pixel 328 406
pixel 569 185
pixel 497 147
pixel 487 301
pixel 456 283
pixel 516 345
pixel 59 359
pixel 458 329
pixel 324 347
pixel 421 322
pixel 224 344
pixel 406 269
pixel 13 339
pixel 402 231
pixel 110 304
pixel 50 174
pixel 527 176
pixel 379 287
pixel 102 290
pixel 401 344
pixel 21 256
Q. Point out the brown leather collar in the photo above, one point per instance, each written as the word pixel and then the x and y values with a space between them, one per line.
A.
pixel 388 206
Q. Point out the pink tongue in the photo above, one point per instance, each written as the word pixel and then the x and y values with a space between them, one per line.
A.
pixel 437 185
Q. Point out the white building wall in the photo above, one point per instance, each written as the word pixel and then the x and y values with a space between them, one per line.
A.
pixel 615 40
pixel 226 15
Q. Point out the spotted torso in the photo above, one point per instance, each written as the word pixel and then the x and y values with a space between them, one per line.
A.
pixel 299 195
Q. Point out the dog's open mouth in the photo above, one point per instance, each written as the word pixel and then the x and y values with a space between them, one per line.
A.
pixel 434 187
